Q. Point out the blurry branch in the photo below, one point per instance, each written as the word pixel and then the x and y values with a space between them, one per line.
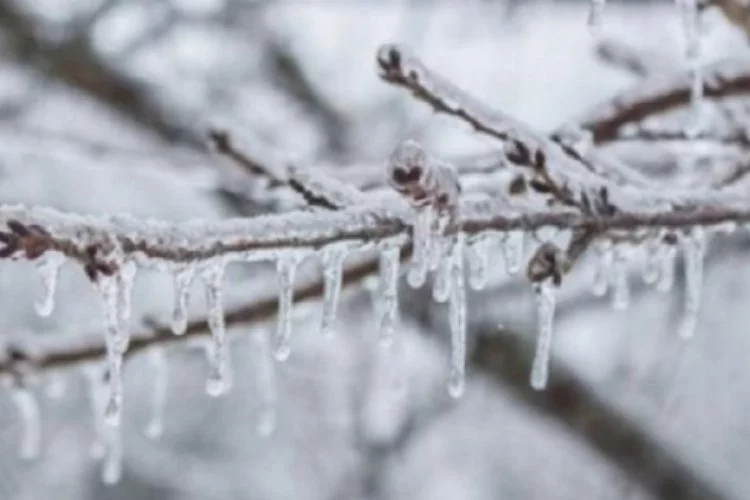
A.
pixel 288 73
pixel 506 358
pixel 737 12
pixel 662 93
pixel 76 63
pixel 636 61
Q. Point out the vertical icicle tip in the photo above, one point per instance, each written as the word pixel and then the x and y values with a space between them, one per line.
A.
pixel 390 257
pixel 457 312
pixel 544 294
pixel 694 248
pixel 286 266
pixel 28 413
pixel 48 267
pixel 332 260
pixel 218 381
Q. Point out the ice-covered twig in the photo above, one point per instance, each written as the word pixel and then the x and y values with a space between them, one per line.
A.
pixel 316 187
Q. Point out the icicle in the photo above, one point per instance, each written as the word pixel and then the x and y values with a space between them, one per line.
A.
pixel 603 269
pixel 422 247
pixel 477 258
pixel 651 264
pixel 155 426
pixel 694 249
pixel 48 267
pixel 620 285
pixel 441 288
pixel 545 306
pixel 266 422
pixel 596 9
pixel 333 259
pixel 219 378
pixel 28 412
pixel 183 279
pixel 513 251
pixel 286 266
pixel 457 312
pixel 666 274
pixel 125 280
pixel 111 299
pixel 390 256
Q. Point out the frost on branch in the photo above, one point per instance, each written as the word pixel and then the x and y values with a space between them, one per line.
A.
pixel 432 189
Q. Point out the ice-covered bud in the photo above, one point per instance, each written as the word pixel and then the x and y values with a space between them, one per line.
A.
pixel 423 181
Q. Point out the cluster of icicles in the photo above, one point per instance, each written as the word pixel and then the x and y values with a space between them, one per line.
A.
pixel 455 259
pixel 691 27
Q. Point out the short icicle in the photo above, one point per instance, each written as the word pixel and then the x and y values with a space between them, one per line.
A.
pixel 544 294
pixel 694 250
pixel 423 240
pixel 651 262
pixel 219 377
pixel 28 412
pixel 48 267
pixel 183 279
pixel 513 251
pixel 112 466
pixel 333 259
pixel 620 285
pixel 286 266
pixel 457 314
pixel 155 426
pixel 477 259
pixel 390 256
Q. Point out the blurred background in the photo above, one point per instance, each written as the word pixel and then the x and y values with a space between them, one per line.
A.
pixel 104 106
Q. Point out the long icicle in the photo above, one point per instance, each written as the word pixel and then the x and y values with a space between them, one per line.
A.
pixel 694 250
pixel 390 255
pixel 457 312
pixel 109 292
pixel 266 421
pixel 333 259
pixel 219 376
pixel 544 294
pixel 183 279
pixel 286 267
pixel 48 267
